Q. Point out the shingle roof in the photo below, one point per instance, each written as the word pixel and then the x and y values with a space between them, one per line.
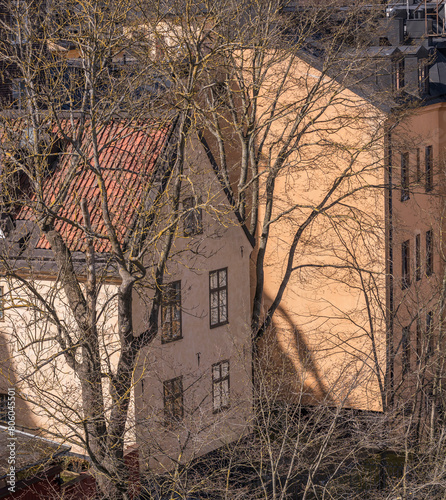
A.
pixel 127 156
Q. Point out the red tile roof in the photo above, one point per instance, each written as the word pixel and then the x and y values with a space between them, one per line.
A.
pixel 127 156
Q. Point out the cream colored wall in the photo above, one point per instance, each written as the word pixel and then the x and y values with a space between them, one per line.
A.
pixel 222 245
pixel 326 335
pixel 32 361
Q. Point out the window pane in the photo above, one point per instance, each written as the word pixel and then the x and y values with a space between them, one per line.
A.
pixel 176 314
pixel 222 278
pixel 171 312
pixel 218 296
pixel 167 315
pixel 429 253
pixel 214 299
pixel 173 400
pixel 220 385
pixel 214 316
pixel 213 280
pixel 217 396
pixel 223 314
pixel 225 393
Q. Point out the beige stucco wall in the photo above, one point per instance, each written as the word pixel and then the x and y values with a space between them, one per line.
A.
pixel 329 331
pixel 222 244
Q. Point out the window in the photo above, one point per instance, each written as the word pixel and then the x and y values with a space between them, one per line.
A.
pixel 419 340
pixel 423 77
pixel 417 257
pixel 3 407
pixel 171 312
pixel 173 400
pixel 430 333
pixel 429 253
pixel 220 386
pixel 405 350
pixel 405 262
pixel 218 297
pixel 18 93
pixel 418 171
pixel 398 75
pixel 2 303
pixel 428 159
pixel 405 177
pixel 192 222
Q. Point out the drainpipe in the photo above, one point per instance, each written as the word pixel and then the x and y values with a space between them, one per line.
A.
pixel 390 270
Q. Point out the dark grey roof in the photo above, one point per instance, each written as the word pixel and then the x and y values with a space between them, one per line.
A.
pixel 30 450
pixel 419 51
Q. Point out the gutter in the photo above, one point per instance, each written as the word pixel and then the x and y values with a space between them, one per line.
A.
pixel 39 462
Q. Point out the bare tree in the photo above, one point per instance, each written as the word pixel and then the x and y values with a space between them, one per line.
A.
pixel 282 109
pixel 278 102
pixel 95 179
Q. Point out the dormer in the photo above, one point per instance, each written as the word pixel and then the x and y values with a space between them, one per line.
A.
pixel 387 68
pixel 416 69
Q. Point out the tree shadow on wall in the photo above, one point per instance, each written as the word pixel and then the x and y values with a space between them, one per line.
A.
pixel 288 366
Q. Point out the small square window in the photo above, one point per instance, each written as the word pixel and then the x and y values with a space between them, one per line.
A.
pixel 220 386
pixel 171 313
pixel 173 400
pixel 218 297
pixel 193 217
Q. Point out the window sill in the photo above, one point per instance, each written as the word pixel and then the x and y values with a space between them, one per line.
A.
pixel 169 341
pixel 218 324
pixel 221 410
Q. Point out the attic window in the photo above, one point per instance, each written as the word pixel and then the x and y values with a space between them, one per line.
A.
pixel 193 217
pixel 23 242
pixel 398 75
pixel 384 42
pixel 423 77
